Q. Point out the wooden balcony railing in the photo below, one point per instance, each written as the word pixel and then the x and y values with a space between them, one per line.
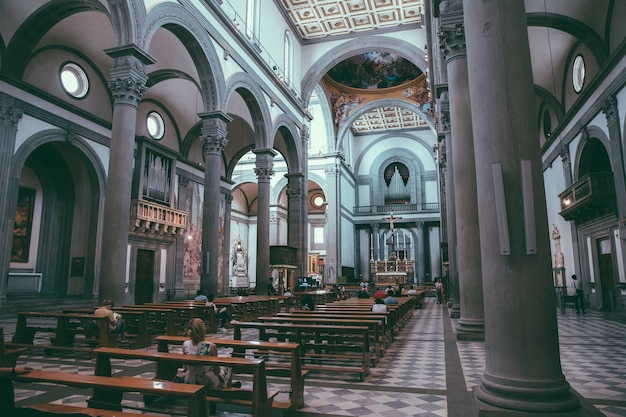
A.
pixel 590 197
pixel 157 221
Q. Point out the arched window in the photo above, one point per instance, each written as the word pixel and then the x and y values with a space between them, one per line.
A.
pixel 252 20
pixel 288 57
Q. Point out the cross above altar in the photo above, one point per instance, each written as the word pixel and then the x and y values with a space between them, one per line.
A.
pixel 391 219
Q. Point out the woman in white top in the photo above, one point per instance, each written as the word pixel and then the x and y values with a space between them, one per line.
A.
pixel 379 307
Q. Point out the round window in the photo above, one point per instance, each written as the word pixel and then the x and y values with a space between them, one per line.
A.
pixel 155 125
pixel 318 201
pixel 74 80
pixel 578 73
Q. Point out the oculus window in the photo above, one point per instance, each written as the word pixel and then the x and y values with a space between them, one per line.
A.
pixel 578 73
pixel 155 125
pixel 74 80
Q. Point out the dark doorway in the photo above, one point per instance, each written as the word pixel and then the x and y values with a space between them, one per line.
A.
pixel 605 269
pixel 144 276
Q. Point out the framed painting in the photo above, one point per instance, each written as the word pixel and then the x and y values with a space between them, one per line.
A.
pixel 23 225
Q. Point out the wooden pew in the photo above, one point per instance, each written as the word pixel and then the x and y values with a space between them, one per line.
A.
pixel 259 398
pixel 108 391
pixel 8 357
pixel 47 409
pixel 377 328
pixel 271 352
pixel 136 328
pixel 181 314
pixel 62 328
pixel 336 348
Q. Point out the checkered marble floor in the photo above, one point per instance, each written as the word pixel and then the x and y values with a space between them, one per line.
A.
pixel 410 379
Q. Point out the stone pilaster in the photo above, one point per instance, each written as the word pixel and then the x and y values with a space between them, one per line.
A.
pixel 225 284
pixel 452 282
pixel 420 259
pixel 264 172
pixel 611 112
pixel 9 119
pixel 213 135
pixel 127 85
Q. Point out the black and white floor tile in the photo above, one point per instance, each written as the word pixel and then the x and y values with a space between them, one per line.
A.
pixel 410 379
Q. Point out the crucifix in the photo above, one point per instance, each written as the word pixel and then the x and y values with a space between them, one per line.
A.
pixel 391 219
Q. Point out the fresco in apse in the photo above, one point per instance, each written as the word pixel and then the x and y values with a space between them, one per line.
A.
pixel 374 70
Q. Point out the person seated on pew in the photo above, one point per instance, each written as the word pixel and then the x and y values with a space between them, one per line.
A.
pixel 380 294
pixel 390 299
pixel 379 306
pixel 209 376
pixel 7 401
pixel 362 294
pixel 307 303
pixel 200 296
pixel 116 322
pixel 220 313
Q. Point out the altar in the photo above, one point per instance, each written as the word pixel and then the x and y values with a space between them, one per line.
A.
pixel 390 278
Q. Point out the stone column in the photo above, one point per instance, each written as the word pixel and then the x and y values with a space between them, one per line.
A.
pixel 213 135
pixel 420 259
pixel 522 373
pixel 127 85
pixel 264 171
pixel 296 223
pixel 452 283
pixel 471 323
pixel 9 118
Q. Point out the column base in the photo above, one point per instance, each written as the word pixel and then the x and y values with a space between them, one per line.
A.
pixel 455 310
pixel 467 330
pixel 527 404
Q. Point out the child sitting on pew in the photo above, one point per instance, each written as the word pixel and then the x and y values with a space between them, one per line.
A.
pixel 209 376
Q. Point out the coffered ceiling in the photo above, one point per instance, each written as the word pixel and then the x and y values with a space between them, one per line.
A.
pixel 317 19
pixel 324 20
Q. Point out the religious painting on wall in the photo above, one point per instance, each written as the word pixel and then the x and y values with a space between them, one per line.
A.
pixel 23 225
pixel 192 263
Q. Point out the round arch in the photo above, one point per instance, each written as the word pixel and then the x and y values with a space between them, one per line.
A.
pixel 591 133
pixel 192 34
pixel 54 254
pixel 290 134
pixel 254 98
pixel 364 44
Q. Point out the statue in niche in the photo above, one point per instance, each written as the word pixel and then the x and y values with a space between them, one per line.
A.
pixel 239 259
pixel 559 261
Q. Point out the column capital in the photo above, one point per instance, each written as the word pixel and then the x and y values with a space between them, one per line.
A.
pixel 128 75
pixel 305 134
pixel 295 186
pixel 228 198
pixel 452 41
pixel 609 108
pixel 264 164
pixel 213 132
pixel 9 116
pixel 332 171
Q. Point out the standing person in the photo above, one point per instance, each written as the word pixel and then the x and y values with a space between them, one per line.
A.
pixel 270 287
pixel 209 376
pixel 579 300
pixel 364 285
pixel 439 291
pixel 116 322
